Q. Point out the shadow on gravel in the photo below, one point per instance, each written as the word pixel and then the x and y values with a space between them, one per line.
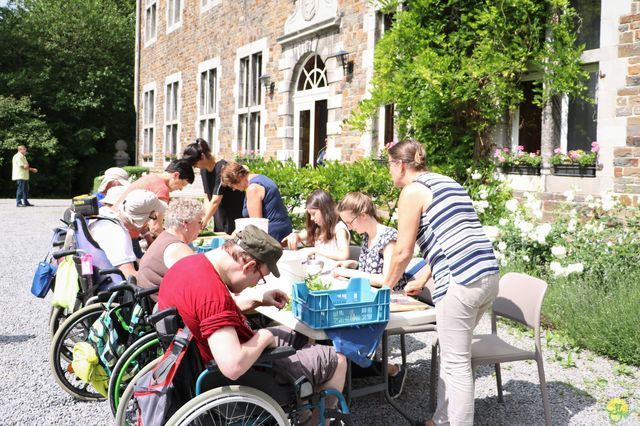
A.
pixel 523 404
pixel 19 338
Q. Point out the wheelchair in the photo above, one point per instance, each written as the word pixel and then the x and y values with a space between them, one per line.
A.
pixel 75 240
pixel 260 396
pixel 130 306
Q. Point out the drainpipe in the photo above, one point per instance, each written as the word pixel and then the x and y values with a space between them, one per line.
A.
pixel 136 79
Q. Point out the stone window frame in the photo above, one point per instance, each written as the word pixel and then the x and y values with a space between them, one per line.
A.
pixel 253 115
pixel 173 84
pixel 555 116
pixel 207 5
pixel 207 116
pixel 150 26
pixel 173 25
pixel 148 131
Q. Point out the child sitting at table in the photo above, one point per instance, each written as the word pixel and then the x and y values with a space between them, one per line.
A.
pixel 358 211
pixel 325 235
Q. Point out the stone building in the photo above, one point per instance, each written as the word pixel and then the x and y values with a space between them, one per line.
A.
pixel 279 77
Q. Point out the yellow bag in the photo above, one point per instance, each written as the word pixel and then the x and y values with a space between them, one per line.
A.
pixel 66 288
pixel 87 367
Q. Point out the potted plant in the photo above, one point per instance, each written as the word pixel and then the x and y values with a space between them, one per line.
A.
pixel 518 161
pixel 170 157
pixel 576 162
pixel 147 157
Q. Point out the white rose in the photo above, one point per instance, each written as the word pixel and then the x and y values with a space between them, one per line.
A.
pixel 571 227
pixel 569 195
pixel 476 175
pixel 502 246
pixel 483 194
pixel 559 251
pixel 526 258
pixel 557 269
pixel 512 205
pixel 503 222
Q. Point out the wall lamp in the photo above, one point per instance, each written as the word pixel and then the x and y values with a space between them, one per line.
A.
pixel 269 85
pixel 347 65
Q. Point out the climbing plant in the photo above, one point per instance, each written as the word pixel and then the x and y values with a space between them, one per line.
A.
pixel 453 69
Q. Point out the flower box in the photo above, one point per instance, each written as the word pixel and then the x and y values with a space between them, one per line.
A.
pixel 574 170
pixel 522 170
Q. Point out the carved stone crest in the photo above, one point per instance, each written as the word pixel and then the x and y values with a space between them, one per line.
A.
pixel 309 9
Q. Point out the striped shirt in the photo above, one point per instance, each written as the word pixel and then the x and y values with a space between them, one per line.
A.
pixel 451 237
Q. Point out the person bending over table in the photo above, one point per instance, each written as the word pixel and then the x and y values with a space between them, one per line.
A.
pixel 201 288
pixel 325 235
pixel 182 225
pixel 263 198
pixel 225 204
pixel 437 213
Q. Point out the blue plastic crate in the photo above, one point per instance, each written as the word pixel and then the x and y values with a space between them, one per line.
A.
pixel 213 244
pixel 357 304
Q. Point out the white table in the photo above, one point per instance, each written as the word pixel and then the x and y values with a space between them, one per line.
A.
pixel 400 323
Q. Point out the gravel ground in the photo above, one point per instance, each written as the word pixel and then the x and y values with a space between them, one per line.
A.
pixel 30 396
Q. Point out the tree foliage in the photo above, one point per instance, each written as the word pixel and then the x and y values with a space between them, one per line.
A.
pixel 74 60
pixel 453 68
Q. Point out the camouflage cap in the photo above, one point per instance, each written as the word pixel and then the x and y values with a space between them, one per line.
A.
pixel 262 246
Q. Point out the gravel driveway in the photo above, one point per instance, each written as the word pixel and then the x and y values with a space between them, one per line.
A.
pixel 30 396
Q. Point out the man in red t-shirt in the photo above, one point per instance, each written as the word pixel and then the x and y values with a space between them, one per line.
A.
pixel 201 288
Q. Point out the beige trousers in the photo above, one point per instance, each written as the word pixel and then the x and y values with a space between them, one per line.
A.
pixel 458 314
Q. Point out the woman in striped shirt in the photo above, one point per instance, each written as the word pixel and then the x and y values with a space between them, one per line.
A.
pixel 436 213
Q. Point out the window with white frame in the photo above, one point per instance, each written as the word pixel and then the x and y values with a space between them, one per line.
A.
pixel 208 102
pixel 249 102
pixel 150 21
pixel 174 14
pixel 171 116
pixel 148 121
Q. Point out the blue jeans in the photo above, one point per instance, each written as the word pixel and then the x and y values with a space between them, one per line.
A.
pixel 22 194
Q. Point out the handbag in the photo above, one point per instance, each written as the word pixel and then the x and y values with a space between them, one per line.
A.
pixel 66 289
pixel 45 272
pixel 43 278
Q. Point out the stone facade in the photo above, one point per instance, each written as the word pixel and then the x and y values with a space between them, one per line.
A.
pixel 626 158
pixel 286 33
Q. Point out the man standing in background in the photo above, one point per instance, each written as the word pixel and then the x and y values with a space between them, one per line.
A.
pixel 20 173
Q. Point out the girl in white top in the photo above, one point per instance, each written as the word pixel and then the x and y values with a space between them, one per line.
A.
pixel 325 234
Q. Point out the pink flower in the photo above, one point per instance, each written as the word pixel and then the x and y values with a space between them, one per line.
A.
pixel 505 149
pixel 557 151
pixel 498 152
pixel 521 153
pixel 595 146
pixel 573 154
pixel 520 148
pixel 501 159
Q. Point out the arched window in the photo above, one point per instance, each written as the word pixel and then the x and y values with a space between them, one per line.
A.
pixel 313 75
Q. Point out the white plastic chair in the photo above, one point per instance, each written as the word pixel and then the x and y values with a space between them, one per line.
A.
pixel 519 299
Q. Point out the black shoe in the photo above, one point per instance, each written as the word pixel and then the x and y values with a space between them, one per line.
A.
pixel 396 383
pixel 29 205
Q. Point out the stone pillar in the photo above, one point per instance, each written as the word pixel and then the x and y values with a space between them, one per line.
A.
pixel 626 158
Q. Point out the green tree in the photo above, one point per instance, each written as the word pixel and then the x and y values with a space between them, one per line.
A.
pixel 453 69
pixel 74 60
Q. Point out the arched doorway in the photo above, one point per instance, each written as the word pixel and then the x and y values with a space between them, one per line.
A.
pixel 310 111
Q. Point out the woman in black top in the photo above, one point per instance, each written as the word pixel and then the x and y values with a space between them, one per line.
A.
pixel 224 204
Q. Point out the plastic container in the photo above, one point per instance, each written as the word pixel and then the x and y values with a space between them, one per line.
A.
pixel 213 244
pixel 260 222
pixel 292 270
pixel 355 305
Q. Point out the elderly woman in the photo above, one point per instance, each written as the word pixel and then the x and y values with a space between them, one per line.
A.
pixel 436 212
pixel 182 225
pixel 263 198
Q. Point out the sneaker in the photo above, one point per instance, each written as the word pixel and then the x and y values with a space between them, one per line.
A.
pixel 29 205
pixel 396 383
pixel 20 205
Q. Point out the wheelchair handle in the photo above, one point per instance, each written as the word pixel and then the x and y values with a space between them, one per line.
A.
pixel 141 293
pixel 63 253
pixel 110 271
pixel 154 318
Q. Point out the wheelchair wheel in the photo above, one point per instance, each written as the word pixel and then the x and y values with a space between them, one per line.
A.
pixel 139 354
pixel 58 315
pixel 230 405
pixel 126 413
pixel 73 330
